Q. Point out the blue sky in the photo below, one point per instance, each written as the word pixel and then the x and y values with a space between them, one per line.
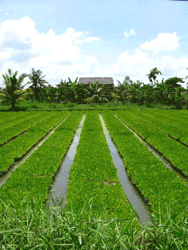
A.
pixel 100 38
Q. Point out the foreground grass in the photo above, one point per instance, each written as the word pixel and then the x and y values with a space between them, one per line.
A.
pixel 45 228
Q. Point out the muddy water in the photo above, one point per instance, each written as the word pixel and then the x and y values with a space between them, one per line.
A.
pixel 131 193
pixel 5 177
pixel 163 160
pixel 59 187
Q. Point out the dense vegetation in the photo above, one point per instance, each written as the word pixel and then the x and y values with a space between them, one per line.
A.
pixel 168 92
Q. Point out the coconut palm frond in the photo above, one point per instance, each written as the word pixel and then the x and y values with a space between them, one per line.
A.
pixel 6 78
pixel 21 78
pixel 10 72
pixel 26 84
pixel 14 90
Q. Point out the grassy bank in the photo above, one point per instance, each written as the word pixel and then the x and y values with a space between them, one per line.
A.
pixel 35 105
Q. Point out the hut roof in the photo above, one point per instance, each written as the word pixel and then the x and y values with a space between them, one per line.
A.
pixel 101 80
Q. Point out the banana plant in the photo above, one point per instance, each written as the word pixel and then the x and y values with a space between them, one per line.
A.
pixel 72 91
pixel 122 89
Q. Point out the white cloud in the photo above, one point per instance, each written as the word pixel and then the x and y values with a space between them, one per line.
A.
pixel 23 47
pixel 163 42
pixel 20 31
pixel 20 42
pixel 131 33
pixel 70 32
pixel 138 65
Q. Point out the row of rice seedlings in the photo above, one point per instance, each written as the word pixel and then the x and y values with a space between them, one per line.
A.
pixel 93 176
pixel 172 114
pixel 175 128
pixel 34 177
pixel 159 185
pixel 8 114
pixel 22 144
pixel 9 117
pixel 172 150
pixel 18 127
pixel 15 120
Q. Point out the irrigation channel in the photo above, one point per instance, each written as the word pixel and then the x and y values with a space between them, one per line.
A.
pixel 154 151
pixel 59 186
pixel 18 162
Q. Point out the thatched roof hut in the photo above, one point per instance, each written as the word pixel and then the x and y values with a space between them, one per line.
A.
pixel 102 80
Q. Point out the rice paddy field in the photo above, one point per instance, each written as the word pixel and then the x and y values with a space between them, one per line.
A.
pixel 152 146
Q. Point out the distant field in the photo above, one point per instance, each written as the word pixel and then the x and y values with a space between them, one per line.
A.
pixel 93 174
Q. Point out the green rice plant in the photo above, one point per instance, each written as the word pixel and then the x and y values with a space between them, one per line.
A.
pixel 4 114
pixel 22 144
pixel 159 186
pixel 16 119
pixel 172 150
pixel 171 113
pixel 93 175
pixel 34 177
pixel 172 126
pixel 9 117
pixel 18 127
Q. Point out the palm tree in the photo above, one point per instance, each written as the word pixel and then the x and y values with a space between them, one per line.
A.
pixel 187 82
pixel 152 75
pixel 13 90
pixel 37 82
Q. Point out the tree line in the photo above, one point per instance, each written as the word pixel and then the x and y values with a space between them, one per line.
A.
pixel 168 92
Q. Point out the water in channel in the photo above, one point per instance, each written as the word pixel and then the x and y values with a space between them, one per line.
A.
pixel 59 187
pixel 151 149
pixel 132 195
pixel 5 177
